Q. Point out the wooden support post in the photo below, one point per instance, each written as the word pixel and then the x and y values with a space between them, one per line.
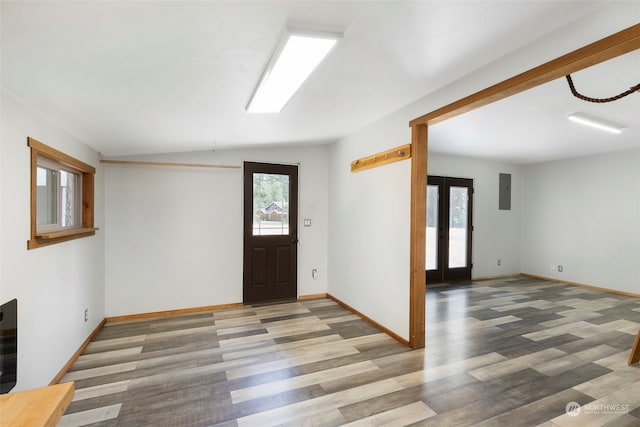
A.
pixel 635 351
pixel 418 276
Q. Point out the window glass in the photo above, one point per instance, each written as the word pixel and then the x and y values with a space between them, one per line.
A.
pixel 432 227
pixel 68 198
pixel 458 212
pixel 58 197
pixel 47 197
pixel 270 204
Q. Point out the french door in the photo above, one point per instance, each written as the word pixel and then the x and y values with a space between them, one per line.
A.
pixel 270 232
pixel 449 228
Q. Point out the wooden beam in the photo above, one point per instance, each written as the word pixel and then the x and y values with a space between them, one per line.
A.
pixel 189 165
pixel 418 277
pixel 634 357
pixel 394 155
pixel 610 47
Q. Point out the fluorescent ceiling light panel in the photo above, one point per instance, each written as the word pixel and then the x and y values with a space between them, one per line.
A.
pixel 584 119
pixel 295 59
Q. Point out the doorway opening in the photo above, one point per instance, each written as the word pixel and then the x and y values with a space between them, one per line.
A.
pixel 449 229
pixel 602 50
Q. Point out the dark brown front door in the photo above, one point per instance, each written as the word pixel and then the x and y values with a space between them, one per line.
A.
pixel 449 228
pixel 270 232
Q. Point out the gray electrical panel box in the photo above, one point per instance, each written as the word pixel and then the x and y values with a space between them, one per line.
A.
pixel 504 192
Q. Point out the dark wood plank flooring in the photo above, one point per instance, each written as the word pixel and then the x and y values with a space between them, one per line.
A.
pixel 513 352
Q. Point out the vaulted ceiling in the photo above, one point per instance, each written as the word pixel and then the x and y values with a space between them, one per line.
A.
pixel 165 76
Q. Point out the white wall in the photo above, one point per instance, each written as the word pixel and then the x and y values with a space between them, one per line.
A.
pixel 53 284
pixel 369 210
pixel 369 234
pixel 584 214
pixel 496 232
pixel 174 235
pixel 188 253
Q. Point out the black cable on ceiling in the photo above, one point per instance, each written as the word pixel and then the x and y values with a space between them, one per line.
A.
pixel 575 93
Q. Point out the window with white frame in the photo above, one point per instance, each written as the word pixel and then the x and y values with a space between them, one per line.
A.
pixel 61 196
pixel 59 193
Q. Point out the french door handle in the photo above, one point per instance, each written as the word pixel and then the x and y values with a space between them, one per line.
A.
pixel 294 240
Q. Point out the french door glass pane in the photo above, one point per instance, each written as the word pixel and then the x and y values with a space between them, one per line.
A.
pixel 458 227
pixel 270 204
pixel 432 227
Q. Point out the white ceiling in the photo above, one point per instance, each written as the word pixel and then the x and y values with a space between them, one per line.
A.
pixel 532 126
pixel 159 76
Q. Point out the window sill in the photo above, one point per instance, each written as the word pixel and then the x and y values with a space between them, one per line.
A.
pixel 45 239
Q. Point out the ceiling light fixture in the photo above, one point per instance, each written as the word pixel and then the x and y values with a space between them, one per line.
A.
pixel 584 119
pixel 297 55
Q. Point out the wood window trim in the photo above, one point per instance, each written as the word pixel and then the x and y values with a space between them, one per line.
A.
pixel 87 173
pixel 617 44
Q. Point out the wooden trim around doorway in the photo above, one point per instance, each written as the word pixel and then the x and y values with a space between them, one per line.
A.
pixel 418 226
pixel 622 42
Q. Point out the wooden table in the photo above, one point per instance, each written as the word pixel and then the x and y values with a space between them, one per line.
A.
pixel 35 408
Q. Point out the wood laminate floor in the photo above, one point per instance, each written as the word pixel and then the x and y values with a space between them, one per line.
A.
pixel 514 352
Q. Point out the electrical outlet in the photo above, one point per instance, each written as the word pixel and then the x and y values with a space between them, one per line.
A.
pixel 560 269
pixel 314 273
pixel 86 314
pixel 553 267
pixel 499 262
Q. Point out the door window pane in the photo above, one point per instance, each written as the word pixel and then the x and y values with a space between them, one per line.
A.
pixel 458 227
pixel 432 227
pixel 270 204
